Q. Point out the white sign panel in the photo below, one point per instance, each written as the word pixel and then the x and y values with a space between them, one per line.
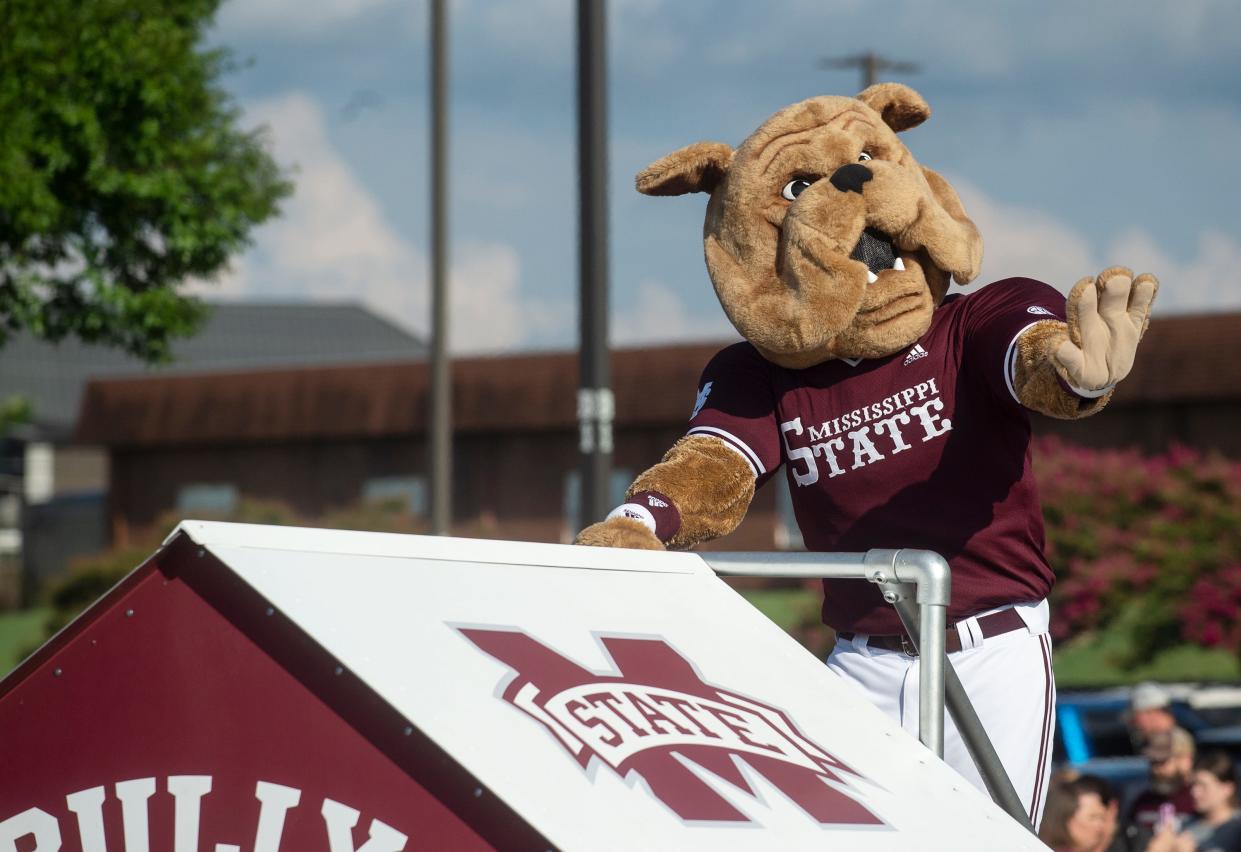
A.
pixel 614 699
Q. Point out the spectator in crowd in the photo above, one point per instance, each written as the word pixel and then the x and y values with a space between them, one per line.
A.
pixel 1214 790
pixel 1074 818
pixel 1113 839
pixel 1167 801
pixel 1167 839
pixel 1150 712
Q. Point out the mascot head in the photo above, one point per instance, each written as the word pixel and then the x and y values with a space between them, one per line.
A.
pixel 824 236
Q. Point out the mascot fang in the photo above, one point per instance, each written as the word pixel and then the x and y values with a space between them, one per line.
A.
pixel 898 411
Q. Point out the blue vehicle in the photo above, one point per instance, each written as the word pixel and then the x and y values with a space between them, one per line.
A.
pixel 1092 736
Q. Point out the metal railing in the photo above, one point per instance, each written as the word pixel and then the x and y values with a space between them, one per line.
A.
pixel 918 584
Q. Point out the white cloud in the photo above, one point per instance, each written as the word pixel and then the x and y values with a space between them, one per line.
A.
pixel 1025 242
pixel 296 17
pixel 660 316
pixel 1031 243
pixel 1018 241
pixel 541 32
pixel 333 243
pixel 1210 281
pixel 487 310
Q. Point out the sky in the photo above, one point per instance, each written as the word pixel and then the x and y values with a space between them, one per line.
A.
pixel 1079 135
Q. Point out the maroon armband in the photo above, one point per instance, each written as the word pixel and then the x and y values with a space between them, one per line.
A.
pixel 654 510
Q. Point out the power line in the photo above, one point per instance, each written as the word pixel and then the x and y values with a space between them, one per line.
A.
pixel 871 64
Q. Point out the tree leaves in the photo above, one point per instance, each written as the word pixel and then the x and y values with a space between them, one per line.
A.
pixel 124 173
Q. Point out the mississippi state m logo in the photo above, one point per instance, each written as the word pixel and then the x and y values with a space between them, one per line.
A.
pixel 656 717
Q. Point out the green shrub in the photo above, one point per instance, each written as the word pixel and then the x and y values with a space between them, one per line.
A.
pixel 89 577
pixel 1149 546
pixel 1147 555
pixel 1157 535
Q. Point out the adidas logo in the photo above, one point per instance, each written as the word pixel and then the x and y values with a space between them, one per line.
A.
pixel 915 353
pixel 656 502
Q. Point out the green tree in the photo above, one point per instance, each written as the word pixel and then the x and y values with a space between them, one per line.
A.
pixel 14 411
pixel 123 171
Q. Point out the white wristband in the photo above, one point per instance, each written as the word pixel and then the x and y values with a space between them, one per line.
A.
pixel 636 511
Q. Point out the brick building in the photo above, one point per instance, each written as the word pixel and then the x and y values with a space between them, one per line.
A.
pixel 53 489
pixel 323 438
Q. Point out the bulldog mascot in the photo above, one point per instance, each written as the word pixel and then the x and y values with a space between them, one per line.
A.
pixel 899 413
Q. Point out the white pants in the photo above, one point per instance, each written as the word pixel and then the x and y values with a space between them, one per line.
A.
pixel 1007 678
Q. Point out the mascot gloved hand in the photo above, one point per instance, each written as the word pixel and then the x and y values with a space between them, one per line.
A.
pixel 898 411
pixel 1107 316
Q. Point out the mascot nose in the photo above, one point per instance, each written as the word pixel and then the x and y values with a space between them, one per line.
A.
pixel 851 177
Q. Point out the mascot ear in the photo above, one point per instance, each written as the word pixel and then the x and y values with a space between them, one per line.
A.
pixel 695 168
pixel 954 244
pixel 900 106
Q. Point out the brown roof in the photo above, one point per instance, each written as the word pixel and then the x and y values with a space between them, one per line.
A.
pixel 1182 358
pixel 497 394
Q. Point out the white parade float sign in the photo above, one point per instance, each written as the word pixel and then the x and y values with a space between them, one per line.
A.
pixel 275 688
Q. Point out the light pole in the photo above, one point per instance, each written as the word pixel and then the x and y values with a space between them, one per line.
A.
pixel 439 431
pixel 594 397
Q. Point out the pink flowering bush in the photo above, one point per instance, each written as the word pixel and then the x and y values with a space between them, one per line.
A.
pixel 1161 534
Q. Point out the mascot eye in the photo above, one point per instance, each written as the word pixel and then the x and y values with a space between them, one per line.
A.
pixel 795 187
pixel 863 157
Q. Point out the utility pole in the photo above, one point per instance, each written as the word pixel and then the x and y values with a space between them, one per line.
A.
pixel 595 405
pixel 871 64
pixel 439 432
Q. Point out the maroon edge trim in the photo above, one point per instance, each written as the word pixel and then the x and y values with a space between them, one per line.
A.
pixel 1067 388
pixel 75 628
pixel 1042 753
pixel 1047 714
pixel 356 703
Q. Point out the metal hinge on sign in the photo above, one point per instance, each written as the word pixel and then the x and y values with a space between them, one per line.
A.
pixel 907 645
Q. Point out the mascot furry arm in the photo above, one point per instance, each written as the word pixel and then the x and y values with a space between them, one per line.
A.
pixel 824 239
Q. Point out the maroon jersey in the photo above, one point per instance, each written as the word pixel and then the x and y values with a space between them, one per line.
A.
pixel 927 448
pixel 1145 810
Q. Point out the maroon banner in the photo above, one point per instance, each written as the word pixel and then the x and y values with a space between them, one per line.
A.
pixel 183 714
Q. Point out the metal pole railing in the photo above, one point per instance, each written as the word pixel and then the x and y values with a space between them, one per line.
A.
pixel 973 734
pixel 889 569
pixel 895 572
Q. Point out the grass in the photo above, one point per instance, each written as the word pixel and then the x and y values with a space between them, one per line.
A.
pixel 20 632
pixel 1085 661
pixel 786 607
pixel 1089 660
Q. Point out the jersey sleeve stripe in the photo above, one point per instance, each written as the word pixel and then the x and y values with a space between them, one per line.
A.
pixel 734 443
pixel 1010 361
pixel 1089 394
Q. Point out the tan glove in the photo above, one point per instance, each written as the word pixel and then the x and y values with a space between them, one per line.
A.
pixel 619 532
pixel 1107 316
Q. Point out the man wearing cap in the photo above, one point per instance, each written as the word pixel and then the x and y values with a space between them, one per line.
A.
pixel 1168 797
pixel 1149 712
